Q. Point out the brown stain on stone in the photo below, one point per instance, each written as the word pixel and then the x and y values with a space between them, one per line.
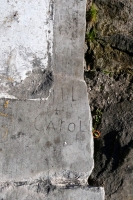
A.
pixel 6 104
pixel 57 140
pixel 3 114
pixel 48 144
pixel 6 115
pixel 10 79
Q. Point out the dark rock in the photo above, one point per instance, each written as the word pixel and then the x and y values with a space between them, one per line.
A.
pixel 110 88
pixel 118 41
pixel 114 149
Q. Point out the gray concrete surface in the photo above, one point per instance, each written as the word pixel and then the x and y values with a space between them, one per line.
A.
pixel 46 135
pixel 46 144
pixel 56 194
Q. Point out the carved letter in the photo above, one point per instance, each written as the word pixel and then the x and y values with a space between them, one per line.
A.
pixel 81 127
pixel 71 127
pixel 61 124
pixel 62 93
pixel 73 95
pixel 51 126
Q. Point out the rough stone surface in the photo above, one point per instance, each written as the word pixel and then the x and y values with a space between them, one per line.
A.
pixel 113 150
pixel 26 30
pixel 109 78
pixel 46 132
pixel 113 46
pixel 54 194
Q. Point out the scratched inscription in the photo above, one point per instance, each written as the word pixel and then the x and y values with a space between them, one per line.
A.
pixel 48 130
pixel 54 118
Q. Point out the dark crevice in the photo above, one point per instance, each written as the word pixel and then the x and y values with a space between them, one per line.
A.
pixel 89 58
pixel 124 51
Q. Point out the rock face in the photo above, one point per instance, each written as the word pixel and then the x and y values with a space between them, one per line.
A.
pixel 113 150
pixel 113 46
pixel 110 86
pixel 46 142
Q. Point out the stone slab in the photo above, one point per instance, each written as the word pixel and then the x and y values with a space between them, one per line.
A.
pixel 46 136
pixel 46 131
pixel 69 32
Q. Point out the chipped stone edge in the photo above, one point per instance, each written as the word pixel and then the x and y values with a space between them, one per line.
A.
pixel 43 185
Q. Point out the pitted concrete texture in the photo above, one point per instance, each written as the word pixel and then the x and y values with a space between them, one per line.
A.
pixel 46 144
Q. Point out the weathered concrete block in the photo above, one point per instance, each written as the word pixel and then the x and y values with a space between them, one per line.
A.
pixel 47 135
pixel 46 144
